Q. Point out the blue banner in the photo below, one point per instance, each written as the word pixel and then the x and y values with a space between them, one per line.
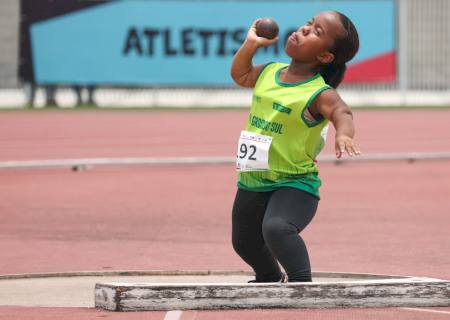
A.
pixel 182 43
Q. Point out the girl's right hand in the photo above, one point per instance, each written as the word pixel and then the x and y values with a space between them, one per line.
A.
pixel 259 41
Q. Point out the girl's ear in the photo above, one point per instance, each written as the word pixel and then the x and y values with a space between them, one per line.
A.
pixel 326 58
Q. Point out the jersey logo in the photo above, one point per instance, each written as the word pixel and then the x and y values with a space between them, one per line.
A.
pixel 257 99
pixel 265 125
pixel 280 108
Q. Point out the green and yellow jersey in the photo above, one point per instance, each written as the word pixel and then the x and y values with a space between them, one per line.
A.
pixel 277 112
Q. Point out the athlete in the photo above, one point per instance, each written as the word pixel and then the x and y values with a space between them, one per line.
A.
pixel 278 176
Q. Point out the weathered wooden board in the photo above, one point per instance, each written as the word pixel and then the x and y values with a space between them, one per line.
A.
pixel 409 292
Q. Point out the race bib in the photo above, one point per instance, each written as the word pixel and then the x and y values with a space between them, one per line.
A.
pixel 253 152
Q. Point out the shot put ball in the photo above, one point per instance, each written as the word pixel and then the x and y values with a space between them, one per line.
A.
pixel 267 28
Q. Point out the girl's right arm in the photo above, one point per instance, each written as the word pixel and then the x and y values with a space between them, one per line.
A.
pixel 243 72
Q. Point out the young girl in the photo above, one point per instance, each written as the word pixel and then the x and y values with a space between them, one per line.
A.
pixel 278 178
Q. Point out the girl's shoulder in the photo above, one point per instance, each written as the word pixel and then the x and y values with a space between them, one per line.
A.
pixel 327 99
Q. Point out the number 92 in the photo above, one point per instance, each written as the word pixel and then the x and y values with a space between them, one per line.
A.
pixel 245 150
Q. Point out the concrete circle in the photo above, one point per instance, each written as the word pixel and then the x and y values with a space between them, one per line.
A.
pixel 77 289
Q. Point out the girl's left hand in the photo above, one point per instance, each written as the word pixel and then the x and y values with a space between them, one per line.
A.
pixel 344 144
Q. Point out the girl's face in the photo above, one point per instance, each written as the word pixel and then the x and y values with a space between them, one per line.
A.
pixel 312 42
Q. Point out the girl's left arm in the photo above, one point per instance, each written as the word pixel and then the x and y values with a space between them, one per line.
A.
pixel 330 105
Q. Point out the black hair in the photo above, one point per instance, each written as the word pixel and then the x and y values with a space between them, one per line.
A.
pixel 344 49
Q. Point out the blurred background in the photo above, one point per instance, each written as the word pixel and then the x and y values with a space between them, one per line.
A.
pixel 138 53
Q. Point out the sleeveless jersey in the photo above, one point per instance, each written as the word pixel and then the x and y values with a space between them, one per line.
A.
pixel 278 112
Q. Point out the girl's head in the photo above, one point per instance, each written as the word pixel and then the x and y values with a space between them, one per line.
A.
pixel 327 42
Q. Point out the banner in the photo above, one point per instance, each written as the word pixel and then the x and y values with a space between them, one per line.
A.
pixel 191 43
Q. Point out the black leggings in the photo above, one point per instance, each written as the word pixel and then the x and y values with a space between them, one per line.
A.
pixel 266 228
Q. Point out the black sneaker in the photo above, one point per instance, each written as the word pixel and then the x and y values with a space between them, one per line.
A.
pixel 284 279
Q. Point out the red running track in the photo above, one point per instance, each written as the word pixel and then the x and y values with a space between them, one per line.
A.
pixel 13 313
pixel 389 218
pixel 55 135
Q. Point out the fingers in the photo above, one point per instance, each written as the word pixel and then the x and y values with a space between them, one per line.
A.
pixel 267 42
pixel 340 149
pixel 349 150
pixel 356 149
pixel 350 147
pixel 253 27
pixel 255 23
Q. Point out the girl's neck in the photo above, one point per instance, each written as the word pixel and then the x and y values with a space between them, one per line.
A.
pixel 297 71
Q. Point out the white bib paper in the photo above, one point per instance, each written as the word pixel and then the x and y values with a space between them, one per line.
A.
pixel 253 151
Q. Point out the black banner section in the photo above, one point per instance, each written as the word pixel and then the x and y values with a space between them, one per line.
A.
pixel 32 11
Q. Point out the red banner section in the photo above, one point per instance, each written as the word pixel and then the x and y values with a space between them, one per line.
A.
pixel 381 68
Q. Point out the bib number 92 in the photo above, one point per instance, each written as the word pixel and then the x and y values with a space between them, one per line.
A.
pixel 247 151
pixel 253 152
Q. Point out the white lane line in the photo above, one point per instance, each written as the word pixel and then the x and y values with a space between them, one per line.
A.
pixel 173 315
pixel 427 310
pixel 86 163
